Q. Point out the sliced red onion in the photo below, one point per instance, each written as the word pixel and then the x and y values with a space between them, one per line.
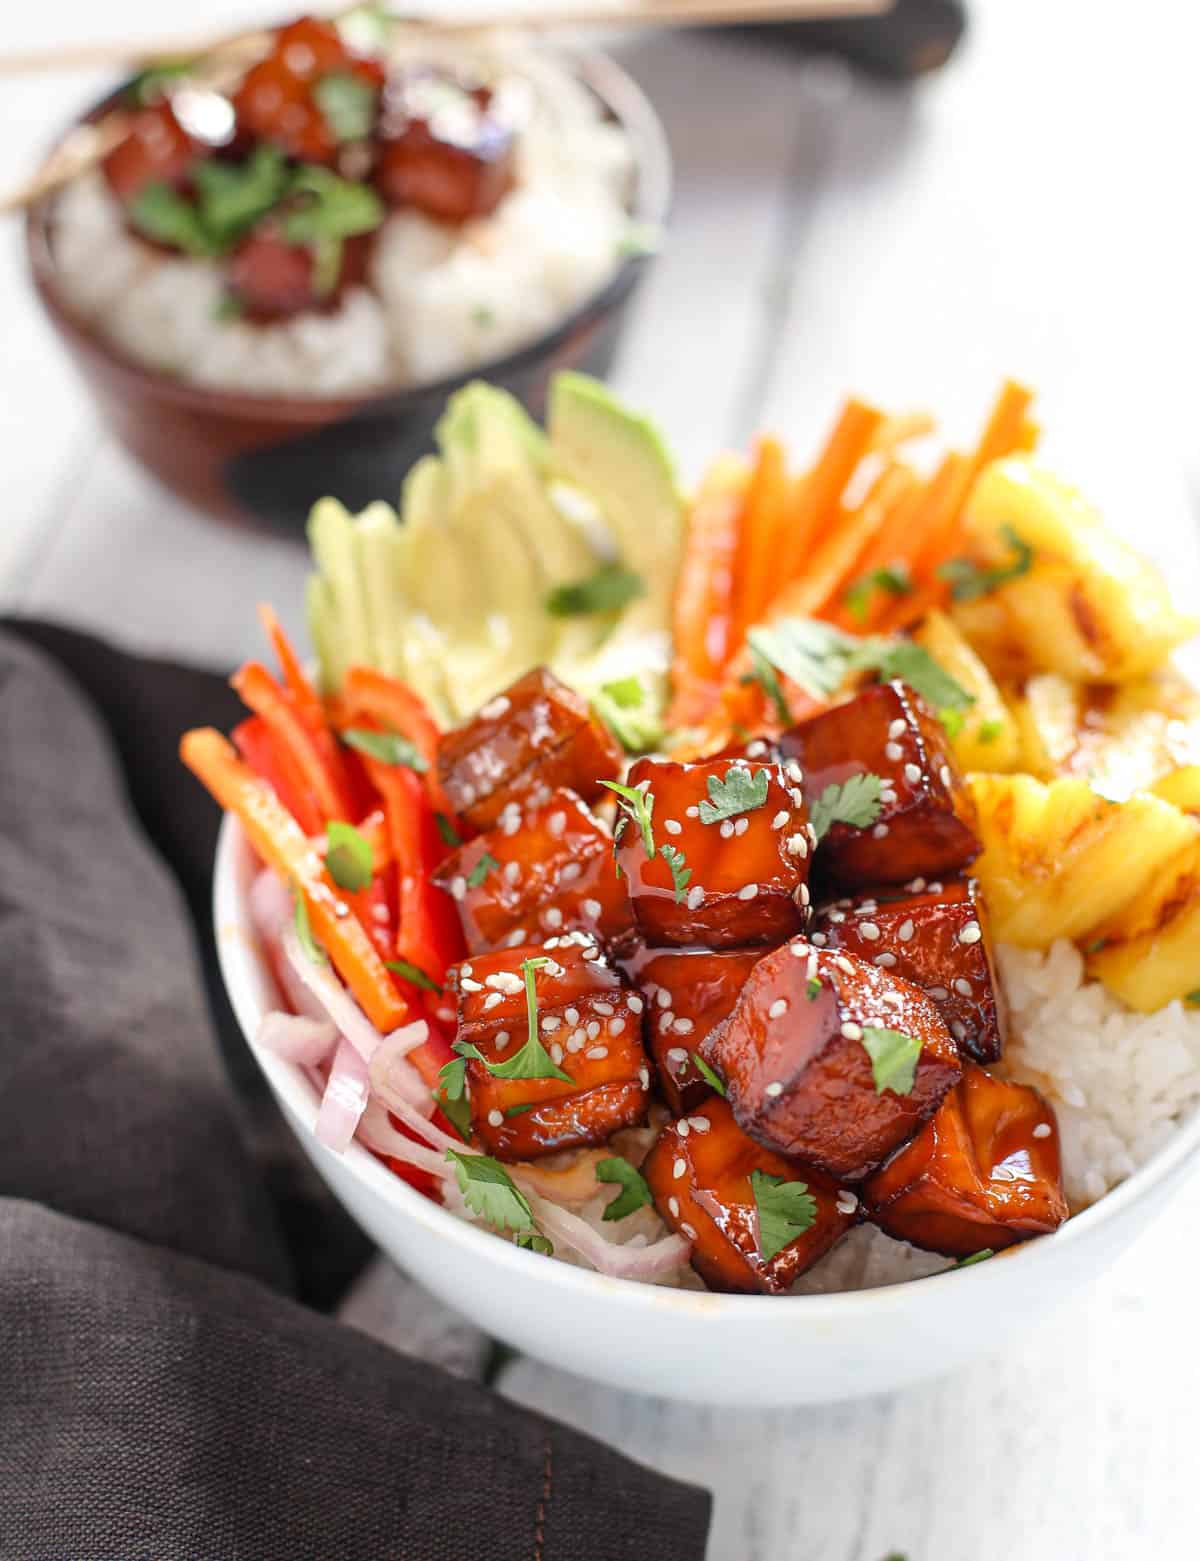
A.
pixel 333 997
pixel 377 1133
pixel 393 1078
pixel 656 1261
pixel 270 904
pixel 344 1100
pixel 428 1131
pixel 296 1038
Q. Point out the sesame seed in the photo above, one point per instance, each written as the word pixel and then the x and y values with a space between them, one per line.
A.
pixel 780 819
pixel 958 1030
pixel 571 1015
pixel 591 909
pixel 797 845
pixel 495 708
pixel 880 831
pixel 794 772
pixel 603 1008
pixel 679 1168
pixel 643 786
pixel 672 826
pixel 381 914
pixel 556 1054
pixel 837 917
pixel 884 961
pixel 592 1029
pixel 501 1038
pixel 552 943
pixel 679 1054
pixel 774 1089
pixel 893 751
pixel 516 937
pixel 688 1230
pixel 894 998
pixel 575 1041
pixel 963 987
pixel 512 871
pixel 938 993
pixel 747 891
pixel 683 1025
pixel 935 888
pixel 510 818
pixel 971 933
pixel 682 1128
pixel 557 822
pixel 912 773
pixel 797 796
pixel 662 997
pixel 458 886
pixel 906 930
pixel 550 1022
pixel 596 1053
pixel 673 1206
pixel 570 872
pixel 945 776
pixel 778 1008
pixel 820 939
pixel 466 970
pixel 810 972
pixel 692 812
pixel 852 1031
pixel 869 931
pixel 468 985
pixel 491 1000
pixel 552 916
pixel 695 897
pixel 1042 1130
pixel 727 829
pixel 665 1021
pixel 700 1124
pixel 554 969
pixel 812 834
pixel 616 1026
pixel 803 895
pixel 843 964
pixel 799 948
pixel 847 1203
pixel 635 1003
pixel 917 886
pixel 756 749
pixel 467 795
pixel 496 1118
pixel 867 905
pixel 644 1077
pixel 898 728
pixel 741 826
pixel 887 796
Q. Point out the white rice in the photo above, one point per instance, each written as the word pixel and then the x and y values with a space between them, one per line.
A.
pixel 441 300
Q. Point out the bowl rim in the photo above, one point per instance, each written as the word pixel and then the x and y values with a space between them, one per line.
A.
pixel 650 204
pixel 242 963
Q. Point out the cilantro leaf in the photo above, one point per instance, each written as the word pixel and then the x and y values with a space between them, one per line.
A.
pixel 446 829
pixel 622 706
pixel 486 864
pixel 608 590
pixel 347 103
pixel 410 972
pixel 912 664
pixel 452 1077
pixel 680 875
pixel 1193 999
pixel 739 792
pixel 455 1107
pixel 785 1210
pixel 534 1241
pixel 533 1061
pixel 893 579
pixel 765 676
pixel 969 580
pixel 149 86
pixel 710 1075
pixel 161 213
pixel 812 988
pixel 953 721
pixel 854 801
pixel 627 693
pixel 813 654
pixel 637 805
pixel 232 196
pixel 328 210
pixel 976 1257
pixel 894 1058
pixel 634 1194
pixel 348 857
pixel 482 316
pixel 387 747
pixel 490 1192
pixel 304 929
pixel 989 731
pixel 520 1110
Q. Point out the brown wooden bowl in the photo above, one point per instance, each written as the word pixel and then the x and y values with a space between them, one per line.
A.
pixel 266 459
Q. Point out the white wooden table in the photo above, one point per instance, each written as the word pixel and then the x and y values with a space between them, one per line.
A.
pixel 1030 211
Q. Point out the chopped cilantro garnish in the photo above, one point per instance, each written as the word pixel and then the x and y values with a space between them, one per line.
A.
pixel 520 1110
pixel 634 1194
pixel 446 829
pixel 228 307
pixel 486 864
pixel 304 930
pixel 150 85
pixel 413 973
pixel 854 801
pixel 912 664
pixel 785 1210
pixel 608 590
pixel 625 692
pixel 622 706
pixel 347 103
pixel 976 1257
pixel 710 1076
pixel 989 731
pixel 765 676
pixel 739 792
pixel 533 1061
pixel 893 579
pixel 813 654
pixel 329 210
pixel 483 317
pixel 387 747
pixel 491 1194
pixel 451 1096
pixel 893 1057
pixel 637 805
pixel 231 197
pixel 534 1241
pixel 680 875
pixel 812 988
pixel 1193 999
pixel 163 214
pixel 969 580
pixel 348 858
pixel 953 721
pixel 1097 944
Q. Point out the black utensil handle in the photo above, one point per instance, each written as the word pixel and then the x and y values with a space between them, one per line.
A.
pixel 914 37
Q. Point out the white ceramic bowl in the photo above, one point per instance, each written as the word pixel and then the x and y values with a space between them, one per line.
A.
pixel 714 1349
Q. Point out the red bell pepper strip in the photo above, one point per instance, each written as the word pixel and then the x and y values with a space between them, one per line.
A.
pixel 326 779
pixel 254 742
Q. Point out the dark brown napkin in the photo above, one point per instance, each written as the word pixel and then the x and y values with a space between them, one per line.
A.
pixel 163 1394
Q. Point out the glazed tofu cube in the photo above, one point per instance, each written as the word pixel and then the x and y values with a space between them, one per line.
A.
pixel 545 870
pixel 747 867
pixel 926 824
pixel 700 1171
pixel 450 177
pixel 525 743
pixel 688 992
pixel 935 935
pixel 589 1024
pixel 984 1173
pixel 831 1060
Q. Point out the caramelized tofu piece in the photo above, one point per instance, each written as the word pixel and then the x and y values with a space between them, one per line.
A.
pixel 688 993
pixel 984 1173
pixel 748 879
pixel 700 1171
pixel 935 935
pixel 443 149
pixel 926 825
pixel 589 1023
pixel 525 743
pixel 797 1056
pixel 548 869
pixel 157 150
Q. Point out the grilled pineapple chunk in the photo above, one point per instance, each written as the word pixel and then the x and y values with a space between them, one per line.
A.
pixel 1151 948
pixel 1059 860
pixel 987 739
pixel 1087 607
pixel 1047 712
